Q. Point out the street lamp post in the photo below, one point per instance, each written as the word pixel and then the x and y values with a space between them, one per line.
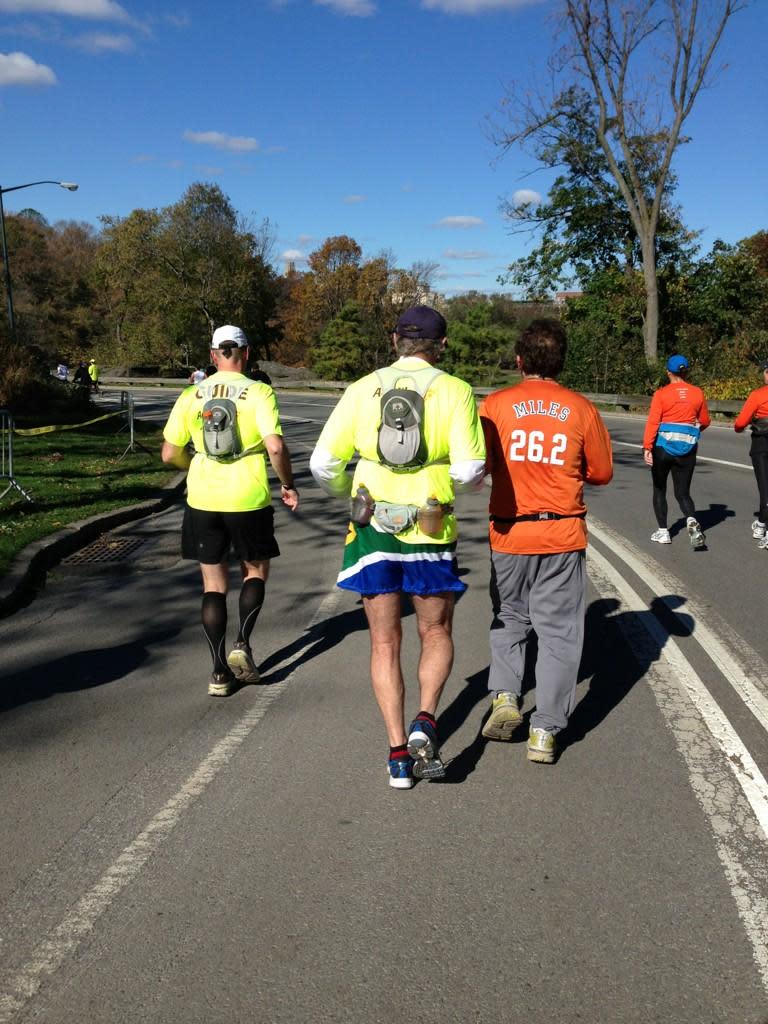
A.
pixel 71 187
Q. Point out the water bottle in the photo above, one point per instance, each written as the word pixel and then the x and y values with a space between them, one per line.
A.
pixel 430 517
pixel 361 506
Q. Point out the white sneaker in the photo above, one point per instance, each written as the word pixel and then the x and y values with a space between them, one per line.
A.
pixel 758 529
pixel 698 540
pixel 661 536
pixel 763 544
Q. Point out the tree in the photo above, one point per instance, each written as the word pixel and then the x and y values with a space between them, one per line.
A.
pixel 627 76
pixel 339 352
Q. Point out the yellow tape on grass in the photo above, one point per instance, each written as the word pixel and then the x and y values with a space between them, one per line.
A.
pixel 28 431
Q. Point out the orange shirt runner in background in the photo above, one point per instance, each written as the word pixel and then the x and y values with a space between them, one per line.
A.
pixel 676 402
pixel 543 443
pixel 755 408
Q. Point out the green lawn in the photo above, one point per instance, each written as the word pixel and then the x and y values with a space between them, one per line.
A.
pixel 74 474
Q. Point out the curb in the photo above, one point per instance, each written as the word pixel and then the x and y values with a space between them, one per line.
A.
pixel 27 573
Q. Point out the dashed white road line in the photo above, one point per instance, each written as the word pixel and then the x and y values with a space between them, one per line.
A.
pixel 61 941
pixel 676 689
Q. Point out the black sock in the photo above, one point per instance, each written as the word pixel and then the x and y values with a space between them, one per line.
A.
pixel 398 753
pixel 214 615
pixel 251 600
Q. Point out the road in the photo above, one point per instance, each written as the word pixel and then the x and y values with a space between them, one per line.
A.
pixel 167 857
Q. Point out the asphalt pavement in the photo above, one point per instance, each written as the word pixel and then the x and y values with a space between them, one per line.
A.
pixel 172 857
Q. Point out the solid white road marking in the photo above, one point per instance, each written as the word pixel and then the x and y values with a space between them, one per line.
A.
pixel 749 682
pixel 675 690
pixel 699 458
pixel 61 941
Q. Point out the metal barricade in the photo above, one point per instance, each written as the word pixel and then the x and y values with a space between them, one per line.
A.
pixel 6 456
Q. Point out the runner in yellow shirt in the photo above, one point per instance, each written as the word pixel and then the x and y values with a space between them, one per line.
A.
pixel 234 426
pixel 402 538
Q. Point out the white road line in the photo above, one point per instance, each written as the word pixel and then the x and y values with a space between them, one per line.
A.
pixel 748 680
pixel 699 458
pixel 675 690
pixel 62 940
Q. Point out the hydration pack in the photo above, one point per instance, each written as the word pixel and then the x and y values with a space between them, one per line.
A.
pixel 221 436
pixel 401 443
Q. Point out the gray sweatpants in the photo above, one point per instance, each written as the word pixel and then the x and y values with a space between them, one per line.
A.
pixel 546 593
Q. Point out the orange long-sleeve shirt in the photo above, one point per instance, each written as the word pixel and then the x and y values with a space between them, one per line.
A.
pixel 676 402
pixel 543 442
pixel 755 408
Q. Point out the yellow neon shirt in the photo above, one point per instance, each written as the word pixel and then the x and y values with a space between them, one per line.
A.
pixel 240 485
pixel 452 432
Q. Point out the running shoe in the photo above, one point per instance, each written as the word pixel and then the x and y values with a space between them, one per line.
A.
pixel 763 544
pixel 400 772
pixel 698 540
pixel 541 746
pixel 661 536
pixel 240 660
pixel 504 717
pixel 424 749
pixel 758 529
pixel 222 684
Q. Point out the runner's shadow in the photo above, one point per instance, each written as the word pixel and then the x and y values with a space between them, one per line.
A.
pixel 618 651
pixel 81 670
pixel 316 640
pixel 708 518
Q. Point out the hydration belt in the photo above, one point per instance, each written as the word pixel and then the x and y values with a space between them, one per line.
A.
pixel 537 517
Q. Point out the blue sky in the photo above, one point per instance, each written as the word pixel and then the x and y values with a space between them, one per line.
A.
pixel 359 117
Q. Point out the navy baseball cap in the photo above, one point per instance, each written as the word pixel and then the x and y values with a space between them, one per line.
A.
pixel 677 363
pixel 421 322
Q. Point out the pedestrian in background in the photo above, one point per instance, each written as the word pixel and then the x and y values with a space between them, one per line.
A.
pixel 754 414
pixel 93 374
pixel 402 538
pixel 677 416
pixel 229 505
pixel 544 442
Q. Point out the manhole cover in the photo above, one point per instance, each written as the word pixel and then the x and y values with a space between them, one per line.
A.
pixel 104 549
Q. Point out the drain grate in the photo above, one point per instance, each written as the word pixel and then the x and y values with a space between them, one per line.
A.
pixel 104 549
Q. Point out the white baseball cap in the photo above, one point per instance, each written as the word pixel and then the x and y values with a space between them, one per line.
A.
pixel 229 335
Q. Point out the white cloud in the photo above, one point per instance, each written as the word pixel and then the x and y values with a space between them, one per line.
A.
pixel 355 8
pixel 209 171
pixel 355 199
pixel 460 222
pixel 526 197
pixel 103 42
pixel 273 150
pixel 475 6
pixel 306 239
pixel 19 69
pixel 466 254
pixel 293 254
pixel 220 140
pixel 143 158
pixel 100 10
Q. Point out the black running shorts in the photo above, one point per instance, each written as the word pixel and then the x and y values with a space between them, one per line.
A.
pixel 207 537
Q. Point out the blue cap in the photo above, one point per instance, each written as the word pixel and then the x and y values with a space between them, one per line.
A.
pixel 677 363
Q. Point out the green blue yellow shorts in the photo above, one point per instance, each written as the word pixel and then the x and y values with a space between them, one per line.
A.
pixel 379 563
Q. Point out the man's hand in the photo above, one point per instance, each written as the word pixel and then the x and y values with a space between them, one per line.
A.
pixel 290 497
pixel 648 456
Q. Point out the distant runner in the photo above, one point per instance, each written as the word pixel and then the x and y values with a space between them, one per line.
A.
pixel 677 416
pixel 233 423
pixel 754 414
pixel 418 435
pixel 543 443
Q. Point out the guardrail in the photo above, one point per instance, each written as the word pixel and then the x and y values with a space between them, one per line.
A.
pixel 728 408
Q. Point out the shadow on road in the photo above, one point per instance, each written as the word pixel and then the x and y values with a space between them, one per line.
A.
pixel 81 670
pixel 314 641
pixel 608 661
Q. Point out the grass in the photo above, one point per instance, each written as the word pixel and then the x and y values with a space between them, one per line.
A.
pixel 74 474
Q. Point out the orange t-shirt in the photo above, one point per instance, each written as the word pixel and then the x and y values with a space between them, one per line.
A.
pixel 543 442
pixel 676 402
pixel 755 408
